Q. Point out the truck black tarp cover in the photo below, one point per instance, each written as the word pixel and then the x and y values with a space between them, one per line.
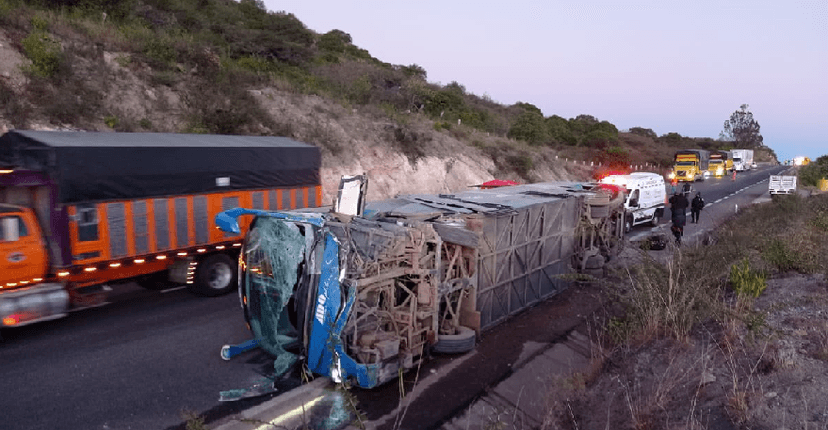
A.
pixel 94 166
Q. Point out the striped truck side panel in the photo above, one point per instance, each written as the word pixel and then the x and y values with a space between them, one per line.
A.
pixel 126 229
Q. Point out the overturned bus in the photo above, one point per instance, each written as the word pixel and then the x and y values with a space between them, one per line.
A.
pixel 366 290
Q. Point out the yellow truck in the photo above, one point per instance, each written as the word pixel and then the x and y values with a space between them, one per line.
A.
pixel 720 163
pixel 690 165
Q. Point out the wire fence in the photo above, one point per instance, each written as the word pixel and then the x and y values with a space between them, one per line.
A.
pixel 646 167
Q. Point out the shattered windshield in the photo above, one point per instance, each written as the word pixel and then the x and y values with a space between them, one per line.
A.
pixel 273 254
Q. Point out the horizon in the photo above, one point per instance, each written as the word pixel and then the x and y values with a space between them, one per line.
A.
pixel 673 62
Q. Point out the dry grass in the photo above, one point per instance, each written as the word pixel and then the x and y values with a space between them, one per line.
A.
pixel 685 326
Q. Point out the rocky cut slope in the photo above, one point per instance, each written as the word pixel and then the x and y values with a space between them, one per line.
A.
pixel 399 155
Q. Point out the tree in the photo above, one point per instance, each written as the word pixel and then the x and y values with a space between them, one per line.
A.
pixel 529 107
pixel 334 41
pixel 558 128
pixel 646 132
pixel 742 129
pixel 530 127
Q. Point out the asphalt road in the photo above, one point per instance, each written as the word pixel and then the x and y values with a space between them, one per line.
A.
pixel 716 189
pixel 722 196
pixel 140 362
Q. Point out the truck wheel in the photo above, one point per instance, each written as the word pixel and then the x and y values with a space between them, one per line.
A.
pixel 656 219
pixel 458 343
pixel 215 275
pixel 628 224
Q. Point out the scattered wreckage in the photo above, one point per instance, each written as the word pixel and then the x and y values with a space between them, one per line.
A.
pixel 365 291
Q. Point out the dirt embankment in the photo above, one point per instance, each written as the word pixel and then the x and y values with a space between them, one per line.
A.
pixel 353 141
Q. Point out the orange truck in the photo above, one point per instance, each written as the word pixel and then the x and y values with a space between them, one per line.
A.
pixel 81 212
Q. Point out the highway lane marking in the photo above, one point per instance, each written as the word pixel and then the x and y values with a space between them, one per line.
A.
pixel 169 290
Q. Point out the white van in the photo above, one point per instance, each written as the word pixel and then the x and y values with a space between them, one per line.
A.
pixel 646 197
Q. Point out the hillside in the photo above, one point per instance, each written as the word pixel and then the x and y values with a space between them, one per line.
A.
pixel 223 67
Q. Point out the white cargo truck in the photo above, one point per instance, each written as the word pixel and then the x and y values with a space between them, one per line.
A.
pixel 782 184
pixel 646 197
pixel 742 159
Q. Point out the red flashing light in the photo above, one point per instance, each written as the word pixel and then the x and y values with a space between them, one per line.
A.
pixel 11 320
pixel 604 174
pixel 497 183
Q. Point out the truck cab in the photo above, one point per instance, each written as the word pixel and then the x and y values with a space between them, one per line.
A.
pixel 22 252
pixel 646 196
pixel 23 267
pixel 690 165
pixel 720 163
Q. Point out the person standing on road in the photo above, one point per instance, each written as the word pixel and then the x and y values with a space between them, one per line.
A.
pixel 678 209
pixel 734 175
pixel 695 207
pixel 687 189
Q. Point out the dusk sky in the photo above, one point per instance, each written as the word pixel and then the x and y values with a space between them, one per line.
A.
pixel 670 66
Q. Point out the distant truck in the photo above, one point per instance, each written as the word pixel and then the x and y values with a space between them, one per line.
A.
pixel 742 159
pixel 646 197
pixel 83 211
pixel 801 161
pixel 781 184
pixel 721 162
pixel 690 165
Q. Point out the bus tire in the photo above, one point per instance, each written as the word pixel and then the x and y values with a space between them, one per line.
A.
pixel 458 343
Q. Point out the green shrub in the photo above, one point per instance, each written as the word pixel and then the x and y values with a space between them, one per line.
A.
pixel 255 64
pixel 40 23
pixel 410 143
pixel 44 52
pixel 747 282
pixel 811 174
pixel 334 41
pixel 521 164
pixel 645 132
pixel 359 92
pixel 5 9
pixel 123 60
pixel 145 123
pixel 160 52
pixel 442 125
pixel 111 121
pixel 820 221
pixel 164 77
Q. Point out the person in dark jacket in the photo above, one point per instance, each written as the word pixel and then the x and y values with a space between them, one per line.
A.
pixel 678 209
pixel 687 189
pixel 695 207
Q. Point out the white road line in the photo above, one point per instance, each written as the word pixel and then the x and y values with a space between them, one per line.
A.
pixel 169 290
